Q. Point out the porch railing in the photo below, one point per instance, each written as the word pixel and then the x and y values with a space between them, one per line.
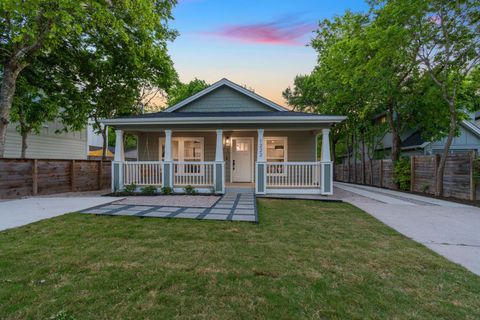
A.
pixel 293 174
pixel 193 173
pixel 142 173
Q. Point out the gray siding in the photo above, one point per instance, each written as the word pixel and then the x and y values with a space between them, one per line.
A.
pixel 48 144
pixel 464 142
pixel 224 99
pixel 301 145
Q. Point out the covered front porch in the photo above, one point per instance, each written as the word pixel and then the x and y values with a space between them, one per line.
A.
pixel 269 160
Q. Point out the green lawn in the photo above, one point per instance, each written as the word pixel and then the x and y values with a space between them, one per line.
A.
pixel 304 260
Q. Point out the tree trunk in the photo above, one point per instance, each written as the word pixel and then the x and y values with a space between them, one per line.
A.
pixel 395 155
pixel 441 167
pixel 354 154
pixel 363 158
pixel 24 145
pixel 104 144
pixel 347 138
pixel 7 91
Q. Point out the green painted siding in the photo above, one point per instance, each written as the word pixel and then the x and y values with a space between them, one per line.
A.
pixel 224 99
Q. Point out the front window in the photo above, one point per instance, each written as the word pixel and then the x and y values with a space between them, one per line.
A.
pixel 184 149
pixel 276 149
pixel 276 152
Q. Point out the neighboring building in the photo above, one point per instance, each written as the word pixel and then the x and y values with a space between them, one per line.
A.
pixel 224 137
pixel 414 144
pixel 48 144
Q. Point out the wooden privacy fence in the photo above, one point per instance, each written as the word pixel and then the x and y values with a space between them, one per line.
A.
pixel 459 180
pixel 24 177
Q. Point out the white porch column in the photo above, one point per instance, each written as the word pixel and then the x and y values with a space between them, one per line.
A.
pixel 117 164
pixel 167 167
pixel 261 165
pixel 325 145
pixel 119 152
pixel 326 164
pixel 219 169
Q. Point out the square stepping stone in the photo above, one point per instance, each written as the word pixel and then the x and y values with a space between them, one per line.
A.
pixel 157 214
pixel 221 211
pixel 244 211
pixel 215 217
pixel 237 217
pixel 223 206
pixel 125 213
pixel 244 206
pixel 194 210
pixel 140 208
pixel 168 209
pixel 187 215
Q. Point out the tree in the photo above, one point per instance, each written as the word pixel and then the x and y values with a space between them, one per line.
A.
pixel 31 106
pixel 449 43
pixel 182 91
pixel 46 27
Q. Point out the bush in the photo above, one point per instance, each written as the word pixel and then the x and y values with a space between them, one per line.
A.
pixel 130 189
pixel 149 190
pixel 401 173
pixel 189 190
pixel 167 190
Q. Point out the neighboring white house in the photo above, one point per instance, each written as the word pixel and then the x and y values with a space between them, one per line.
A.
pixel 48 144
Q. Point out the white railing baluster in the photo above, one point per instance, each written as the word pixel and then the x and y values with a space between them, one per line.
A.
pixel 293 174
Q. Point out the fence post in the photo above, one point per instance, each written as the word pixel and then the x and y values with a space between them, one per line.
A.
pixel 412 173
pixel 35 177
pixel 381 173
pixel 72 175
pixel 100 175
pixel 473 193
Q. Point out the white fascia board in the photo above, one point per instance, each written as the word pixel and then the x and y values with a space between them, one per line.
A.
pixel 242 120
pixel 471 126
pixel 232 85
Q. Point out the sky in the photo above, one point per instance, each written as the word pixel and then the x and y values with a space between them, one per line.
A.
pixel 257 43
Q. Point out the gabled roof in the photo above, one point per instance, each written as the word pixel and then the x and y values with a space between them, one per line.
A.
pixel 232 85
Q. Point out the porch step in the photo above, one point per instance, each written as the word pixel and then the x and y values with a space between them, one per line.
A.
pixel 239 190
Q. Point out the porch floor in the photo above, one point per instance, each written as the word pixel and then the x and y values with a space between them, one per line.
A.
pixel 233 206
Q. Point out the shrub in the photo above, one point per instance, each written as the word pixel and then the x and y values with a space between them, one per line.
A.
pixel 189 190
pixel 167 190
pixel 62 315
pixel 401 173
pixel 130 189
pixel 149 190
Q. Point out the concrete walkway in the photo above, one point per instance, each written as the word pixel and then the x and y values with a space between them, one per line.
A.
pixel 448 228
pixel 16 213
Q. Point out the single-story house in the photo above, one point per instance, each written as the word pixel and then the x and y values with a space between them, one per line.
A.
pixel 226 136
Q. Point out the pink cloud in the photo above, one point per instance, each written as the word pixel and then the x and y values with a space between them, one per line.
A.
pixel 282 32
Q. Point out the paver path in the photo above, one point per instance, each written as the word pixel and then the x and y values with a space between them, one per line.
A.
pixel 232 206
pixel 448 228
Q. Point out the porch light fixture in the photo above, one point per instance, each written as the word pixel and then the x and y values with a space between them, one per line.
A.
pixel 227 141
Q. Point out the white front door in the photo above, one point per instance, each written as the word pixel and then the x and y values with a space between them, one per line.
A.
pixel 242 159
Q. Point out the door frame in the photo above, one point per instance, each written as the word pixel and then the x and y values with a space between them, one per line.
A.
pixel 252 155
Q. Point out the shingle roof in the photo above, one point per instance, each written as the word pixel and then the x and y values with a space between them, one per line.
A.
pixel 415 139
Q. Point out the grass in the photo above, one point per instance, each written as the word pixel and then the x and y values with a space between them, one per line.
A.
pixel 304 260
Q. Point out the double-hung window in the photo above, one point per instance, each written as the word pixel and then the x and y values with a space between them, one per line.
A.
pixel 276 151
pixel 189 149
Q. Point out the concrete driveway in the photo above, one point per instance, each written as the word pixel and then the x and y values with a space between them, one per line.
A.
pixel 15 213
pixel 448 228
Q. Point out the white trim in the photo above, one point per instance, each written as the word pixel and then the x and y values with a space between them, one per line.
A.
pixel 252 156
pixel 471 126
pixel 318 119
pixel 231 85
